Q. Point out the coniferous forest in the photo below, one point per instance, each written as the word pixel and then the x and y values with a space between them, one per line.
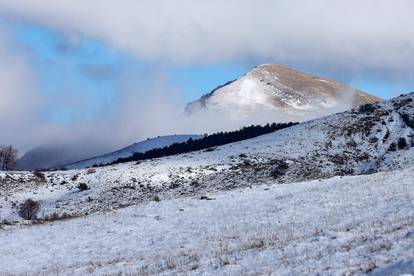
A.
pixel 208 141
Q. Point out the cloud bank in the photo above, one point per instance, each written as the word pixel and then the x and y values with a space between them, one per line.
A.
pixel 346 34
pixel 353 36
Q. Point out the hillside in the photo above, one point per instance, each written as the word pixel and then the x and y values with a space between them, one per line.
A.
pixel 149 144
pixel 294 95
pixel 343 225
pixel 365 140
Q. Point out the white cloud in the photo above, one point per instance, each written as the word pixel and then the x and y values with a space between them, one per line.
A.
pixel 351 34
pixel 19 100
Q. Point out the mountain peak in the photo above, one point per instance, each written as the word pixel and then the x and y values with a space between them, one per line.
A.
pixel 278 88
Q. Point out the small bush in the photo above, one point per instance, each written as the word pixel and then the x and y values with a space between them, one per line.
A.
pixel 393 147
pixel 83 187
pixel 29 209
pixel 402 143
pixel 157 198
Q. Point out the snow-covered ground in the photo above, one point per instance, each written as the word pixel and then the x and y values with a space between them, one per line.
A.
pixel 158 142
pixel 342 225
pixel 350 143
pixel 261 219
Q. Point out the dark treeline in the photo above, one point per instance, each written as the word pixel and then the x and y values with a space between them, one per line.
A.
pixel 208 141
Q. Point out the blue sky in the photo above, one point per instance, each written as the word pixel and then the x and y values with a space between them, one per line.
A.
pixel 92 71
pixel 87 73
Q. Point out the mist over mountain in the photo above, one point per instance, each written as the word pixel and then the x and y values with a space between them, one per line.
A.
pixel 58 154
pixel 268 93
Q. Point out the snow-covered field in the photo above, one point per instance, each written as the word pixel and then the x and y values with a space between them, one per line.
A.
pixel 342 225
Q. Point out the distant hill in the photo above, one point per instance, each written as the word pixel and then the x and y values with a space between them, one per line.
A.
pixel 56 155
pixel 158 142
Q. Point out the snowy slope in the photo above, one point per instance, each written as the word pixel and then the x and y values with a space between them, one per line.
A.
pixel 338 226
pixel 275 88
pixel 159 142
pixel 360 141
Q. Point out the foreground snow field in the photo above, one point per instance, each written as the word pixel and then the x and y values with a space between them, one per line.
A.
pixel 355 224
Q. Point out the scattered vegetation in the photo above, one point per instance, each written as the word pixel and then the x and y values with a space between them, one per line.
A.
pixel 407 120
pixel 40 176
pixel 279 168
pixel 367 108
pixel 57 216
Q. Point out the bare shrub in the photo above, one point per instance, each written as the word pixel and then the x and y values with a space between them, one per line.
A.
pixel 279 168
pixel 8 158
pixel 29 209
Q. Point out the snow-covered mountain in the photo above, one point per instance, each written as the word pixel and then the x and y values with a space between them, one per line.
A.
pixel 149 144
pixel 276 88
